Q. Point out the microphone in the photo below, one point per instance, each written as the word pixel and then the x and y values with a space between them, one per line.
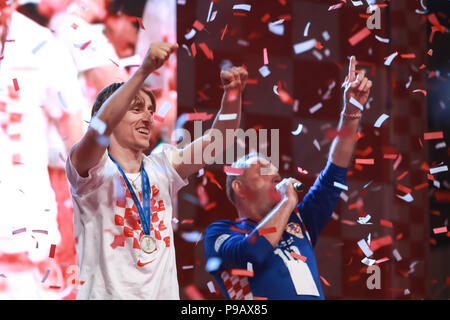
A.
pixel 298 186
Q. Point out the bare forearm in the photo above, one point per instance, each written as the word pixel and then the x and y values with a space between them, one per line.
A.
pixel 231 106
pixel 277 219
pixel 343 146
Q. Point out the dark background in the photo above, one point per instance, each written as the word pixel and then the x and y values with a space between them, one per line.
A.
pixel 424 267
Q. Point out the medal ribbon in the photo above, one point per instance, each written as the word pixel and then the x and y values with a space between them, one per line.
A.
pixel 145 212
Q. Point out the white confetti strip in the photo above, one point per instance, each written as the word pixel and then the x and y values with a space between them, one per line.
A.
pixel 304 46
pixel 326 35
pixel 367 261
pixel 409 82
pixel 407 197
pixel 357 3
pixel 211 287
pixel 385 40
pixel 190 34
pixel 315 107
pixel 316 144
pixel 356 103
pixel 390 59
pixel 98 125
pixel 305 32
pixel 298 131
pixel 245 7
pixel 364 220
pixel 365 248
pixel 438 169
pixel 209 11
pixel 397 255
pixel 264 71
pixel 230 116
pixel 340 185
pixel 276 28
pixel 380 120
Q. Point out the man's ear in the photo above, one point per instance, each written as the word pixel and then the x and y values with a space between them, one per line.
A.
pixel 238 188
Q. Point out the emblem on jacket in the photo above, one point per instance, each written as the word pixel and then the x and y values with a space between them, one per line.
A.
pixel 294 229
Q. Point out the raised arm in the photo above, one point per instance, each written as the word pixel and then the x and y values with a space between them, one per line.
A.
pixel 357 88
pixel 87 153
pixel 233 81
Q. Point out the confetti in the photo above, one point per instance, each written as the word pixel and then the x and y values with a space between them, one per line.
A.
pixel 203 116
pixel 364 161
pixel 16 84
pixel 433 135
pixel 315 107
pixel 52 251
pixel 190 34
pixel 187 267
pixel 298 131
pixel 162 112
pixel 305 32
pixel 276 28
pixel 356 103
pixel 421 91
pixel 245 7
pixel 438 169
pixel 39 46
pixel 380 120
pixel 440 230
pixel 407 197
pixel 233 171
pixel 210 284
pixel 85 45
pixel 390 58
pixel 19 231
pixel 368 261
pixel 264 71
pixel 359 36
pixel 225 117
pixel 334 7
pixel 304 46
pixel 298 256
pixel 385 223
pixel 397 255
pixel 357 3
pixel 267 230
pixel 364 247
pixel 409 82
pixel 242 273
pixel 325 281
pixel 265 57
pixel 45 276
pixel 385 40
pixel 198 25
pixel 208 53
pixel 364 220
pixel 382 260
pixel 340 185
pixel 139 19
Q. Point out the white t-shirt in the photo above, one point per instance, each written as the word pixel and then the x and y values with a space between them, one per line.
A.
pixel 107 230
pixel 43 71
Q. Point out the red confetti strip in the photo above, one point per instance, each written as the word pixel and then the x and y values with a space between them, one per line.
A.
pixel 16 84
pixel 233 228
pixel 334 7
pixel 440 230
pixel 265 18
pixel 267 230
pixel 187 221
pixel 208 53
pixel 224 32
pixel 400 177
pixel 359 36
pixel 385 223
pixel 233 171
pixel 193 49
pixel 380 242
pixel 203 116
pixel 139 19
pixel 433 135
pixel 421 186
pixel 242 273
pixel 364 161
pixel 265 56
pixel 198 25
pixel 430 52
pixel 403 188
pixel 389 156
pixel 408 56
pixel 298 256
pixel 325 281
pixel 210 206
pixel 382 260
pixel 52 251
pixel 85 45
pixel 421 91
pixel 40 231
pixel 260 298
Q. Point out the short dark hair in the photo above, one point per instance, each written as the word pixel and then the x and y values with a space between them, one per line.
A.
pixel 105 93
pixel 241 163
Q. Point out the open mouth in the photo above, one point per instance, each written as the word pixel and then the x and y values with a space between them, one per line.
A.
pixel 144 131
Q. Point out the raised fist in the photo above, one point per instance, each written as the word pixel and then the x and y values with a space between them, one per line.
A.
pixel 158 53
pixel 234 78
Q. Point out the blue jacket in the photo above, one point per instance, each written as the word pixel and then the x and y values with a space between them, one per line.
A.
pixel 236 244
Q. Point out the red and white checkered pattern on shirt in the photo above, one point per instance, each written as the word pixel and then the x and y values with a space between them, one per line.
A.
pixel 238 287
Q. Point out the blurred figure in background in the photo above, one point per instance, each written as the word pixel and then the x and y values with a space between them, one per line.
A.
pixel 38 87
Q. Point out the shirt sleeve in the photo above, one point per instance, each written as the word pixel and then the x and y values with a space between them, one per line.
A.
pixel 81 186
pixel 321 199
pixel 235 249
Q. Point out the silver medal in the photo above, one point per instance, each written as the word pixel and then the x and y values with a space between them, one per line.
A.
pixel 148 244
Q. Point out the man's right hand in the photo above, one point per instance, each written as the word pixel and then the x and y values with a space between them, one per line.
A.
pixel 158 53
pixel 287 191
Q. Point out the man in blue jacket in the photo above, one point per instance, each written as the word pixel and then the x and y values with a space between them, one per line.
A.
pixel 268 252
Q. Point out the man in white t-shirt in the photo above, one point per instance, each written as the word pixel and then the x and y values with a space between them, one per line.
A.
pixel 122 198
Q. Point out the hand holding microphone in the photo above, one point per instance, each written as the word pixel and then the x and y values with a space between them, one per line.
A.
pixel 289 187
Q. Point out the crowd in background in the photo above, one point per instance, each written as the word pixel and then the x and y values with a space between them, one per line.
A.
pixel 56 55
